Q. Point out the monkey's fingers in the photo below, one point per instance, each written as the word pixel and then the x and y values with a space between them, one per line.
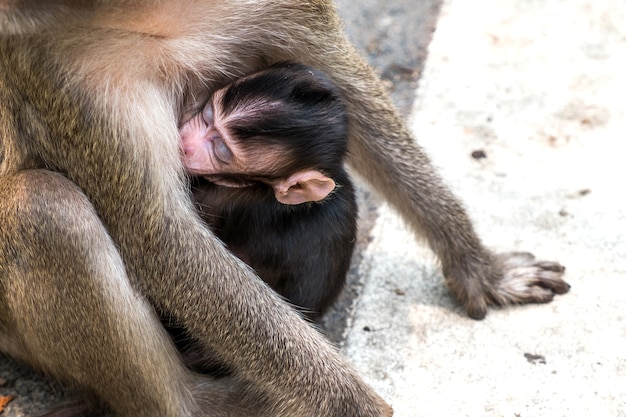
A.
pixel 525 280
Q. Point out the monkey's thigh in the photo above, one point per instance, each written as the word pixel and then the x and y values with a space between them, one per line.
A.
pixel 66 304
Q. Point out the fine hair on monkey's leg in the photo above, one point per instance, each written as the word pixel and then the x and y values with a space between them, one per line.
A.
pixel 68 313
pixel 411 185
pixel 384 153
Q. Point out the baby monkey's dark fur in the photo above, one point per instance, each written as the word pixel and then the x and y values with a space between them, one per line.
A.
pixel 302 251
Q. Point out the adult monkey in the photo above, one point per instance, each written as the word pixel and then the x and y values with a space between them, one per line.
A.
pixel 98 231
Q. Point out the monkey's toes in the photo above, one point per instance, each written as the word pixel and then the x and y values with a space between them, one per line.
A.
pixel 551 274
pixel 525 280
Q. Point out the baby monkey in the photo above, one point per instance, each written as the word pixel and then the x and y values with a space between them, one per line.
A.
pixel 267 154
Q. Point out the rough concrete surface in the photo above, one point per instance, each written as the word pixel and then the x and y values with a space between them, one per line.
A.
pixel 538 87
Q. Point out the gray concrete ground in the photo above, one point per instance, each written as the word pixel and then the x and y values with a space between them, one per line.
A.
pixel 539 87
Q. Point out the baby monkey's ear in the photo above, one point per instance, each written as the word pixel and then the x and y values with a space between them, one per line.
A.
pixel 303 187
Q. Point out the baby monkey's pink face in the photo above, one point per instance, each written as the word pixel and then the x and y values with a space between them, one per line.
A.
pixel 210 150
pixel 204 145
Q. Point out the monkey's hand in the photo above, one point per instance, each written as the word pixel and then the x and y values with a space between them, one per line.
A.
pixel 504 279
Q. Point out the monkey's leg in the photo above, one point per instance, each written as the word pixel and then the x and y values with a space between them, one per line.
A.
pixel 384 153
pixel 68 308
pixel 474 275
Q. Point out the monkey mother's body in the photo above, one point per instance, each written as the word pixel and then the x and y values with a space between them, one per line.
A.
pixel 98 233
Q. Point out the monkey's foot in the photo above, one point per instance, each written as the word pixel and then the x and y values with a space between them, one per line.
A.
pixel 504 279
pixel 526 280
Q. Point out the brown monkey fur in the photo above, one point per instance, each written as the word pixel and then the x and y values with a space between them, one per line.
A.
pixel 98 236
